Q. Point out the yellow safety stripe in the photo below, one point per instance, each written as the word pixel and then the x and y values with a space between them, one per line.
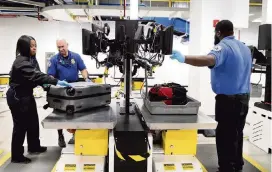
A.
pixel 55 167
pixel 119 155
pixel 202 166
pixel 136 158
pixel 255 163
pixel 4 159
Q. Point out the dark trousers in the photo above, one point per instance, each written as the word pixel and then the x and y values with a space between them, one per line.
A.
pixel 230 113
pixel 25 121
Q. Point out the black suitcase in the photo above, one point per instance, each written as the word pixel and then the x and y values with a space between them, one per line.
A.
pixel 82 96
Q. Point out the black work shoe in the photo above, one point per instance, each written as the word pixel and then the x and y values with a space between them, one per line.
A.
pixel 72 140
pixel 62 143
pixel 38 150
pixel 22 160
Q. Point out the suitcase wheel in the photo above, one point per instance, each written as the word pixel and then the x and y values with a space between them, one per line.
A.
pixel 70 110
pixel 46 106
pixel 70 91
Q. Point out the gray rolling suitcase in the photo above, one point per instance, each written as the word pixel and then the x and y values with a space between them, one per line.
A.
pixel 82 96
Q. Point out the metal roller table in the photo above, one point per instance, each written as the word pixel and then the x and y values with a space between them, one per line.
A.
pixel 98 118
pixel 163 162
pixel 175 122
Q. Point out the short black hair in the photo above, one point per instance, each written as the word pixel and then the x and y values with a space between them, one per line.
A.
pixel 23 45
pixel 225 27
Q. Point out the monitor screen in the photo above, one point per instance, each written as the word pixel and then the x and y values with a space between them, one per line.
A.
pixel 86 41
pixel 264 40
pixel 167 44
pixel 126 29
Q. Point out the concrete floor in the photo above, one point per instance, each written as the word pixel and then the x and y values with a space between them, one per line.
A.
pixel 50 137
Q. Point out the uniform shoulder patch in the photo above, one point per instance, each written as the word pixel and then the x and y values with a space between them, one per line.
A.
pixel 217 48
pixel 49 64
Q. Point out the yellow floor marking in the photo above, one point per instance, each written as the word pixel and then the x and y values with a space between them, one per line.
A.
pixel 203 167
pixel 255 163
pixel 4 159
pixel 55 167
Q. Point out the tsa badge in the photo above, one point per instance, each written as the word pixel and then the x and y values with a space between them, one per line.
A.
pixel 217 48
pixel 73 61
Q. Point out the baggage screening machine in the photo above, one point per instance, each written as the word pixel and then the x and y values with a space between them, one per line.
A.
pixel 261 126
pixel 119 137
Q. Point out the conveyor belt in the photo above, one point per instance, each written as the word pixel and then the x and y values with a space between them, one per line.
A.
pixel 40 163
pixel 206 154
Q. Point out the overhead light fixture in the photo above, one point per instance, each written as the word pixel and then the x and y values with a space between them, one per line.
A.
pixel 18 8
pixel 27 2
pixel 251 14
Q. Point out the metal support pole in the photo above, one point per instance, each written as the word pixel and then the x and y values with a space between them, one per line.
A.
pixel 267 94
pixel 127 83
pixel 146 83
pixel 128 60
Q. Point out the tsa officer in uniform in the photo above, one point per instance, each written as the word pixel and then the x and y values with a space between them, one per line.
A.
pixel 230 62
pixel 65 66
pixel 24 76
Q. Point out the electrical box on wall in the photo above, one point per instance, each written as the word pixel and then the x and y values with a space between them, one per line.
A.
pixel 215 22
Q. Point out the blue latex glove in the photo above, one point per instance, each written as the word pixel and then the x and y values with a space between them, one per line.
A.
pixel 176 55
pixel 88 80
pixel 64 83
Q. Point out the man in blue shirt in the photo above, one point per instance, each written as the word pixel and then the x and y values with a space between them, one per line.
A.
pixel 65 66
pixel 230 62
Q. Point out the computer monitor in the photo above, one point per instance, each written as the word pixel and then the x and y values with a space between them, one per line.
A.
pixel 264 41
pixel 89 41
pixel 167 40
pixel 86 41
pixel 125 31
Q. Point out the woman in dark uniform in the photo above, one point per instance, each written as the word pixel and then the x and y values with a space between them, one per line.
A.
pixel 24 76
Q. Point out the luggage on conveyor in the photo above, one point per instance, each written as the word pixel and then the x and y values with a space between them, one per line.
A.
pixel 170 99
pixel 169 93
pixel 82 96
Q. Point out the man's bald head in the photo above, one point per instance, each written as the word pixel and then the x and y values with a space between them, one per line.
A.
pixel 62 46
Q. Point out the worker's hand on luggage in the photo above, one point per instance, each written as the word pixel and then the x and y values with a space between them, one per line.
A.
pixel 88 80
pixel 176 55
pixel 45 85
pixel 64 83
